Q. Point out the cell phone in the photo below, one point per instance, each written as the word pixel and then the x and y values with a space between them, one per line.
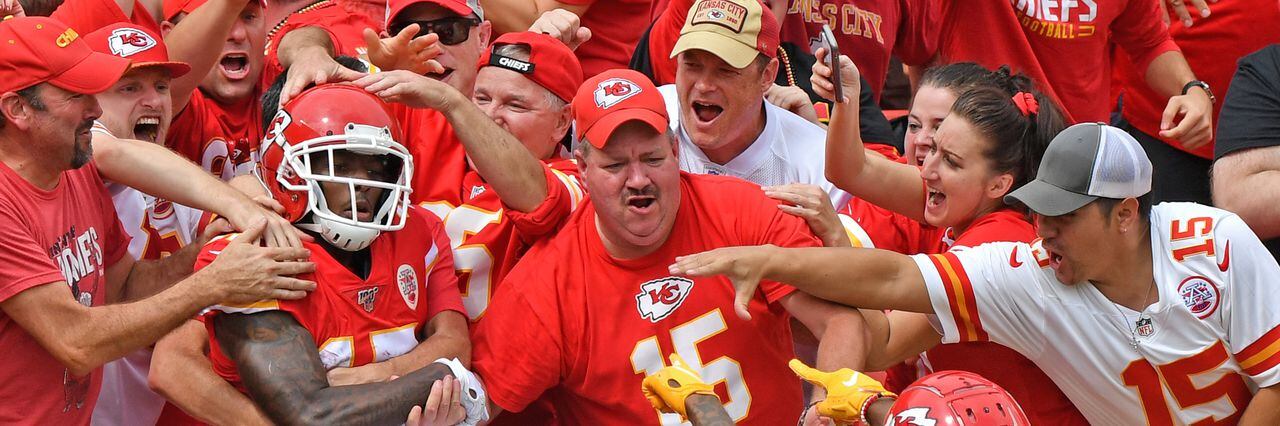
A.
pixel 833 53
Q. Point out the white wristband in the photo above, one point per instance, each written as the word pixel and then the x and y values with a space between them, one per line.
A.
pixel 474 400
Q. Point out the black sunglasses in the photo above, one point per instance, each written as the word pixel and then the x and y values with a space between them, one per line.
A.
pixel 451 30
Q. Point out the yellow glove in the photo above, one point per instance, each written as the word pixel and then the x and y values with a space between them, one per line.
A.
pixel 848 392
pixel 668 388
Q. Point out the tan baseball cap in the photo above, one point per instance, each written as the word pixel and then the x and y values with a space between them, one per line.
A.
pixel 734 30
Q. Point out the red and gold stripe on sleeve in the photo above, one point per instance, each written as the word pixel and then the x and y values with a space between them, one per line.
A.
pixel 964 306
pixel 1262 354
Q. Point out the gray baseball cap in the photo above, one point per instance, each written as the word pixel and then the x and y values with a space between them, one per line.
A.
pixel 1085 162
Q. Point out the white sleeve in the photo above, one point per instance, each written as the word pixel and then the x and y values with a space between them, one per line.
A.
pixel 978 296
pixel 1252 318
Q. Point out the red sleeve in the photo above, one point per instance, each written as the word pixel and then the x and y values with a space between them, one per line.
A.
pixel 23 263
pixel 563 195
pixel 519 348
pixel 1141 33
pixel 662 39
pixel 441 288
pixel 917 42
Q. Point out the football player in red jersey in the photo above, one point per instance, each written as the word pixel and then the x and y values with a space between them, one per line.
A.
pixel 383 296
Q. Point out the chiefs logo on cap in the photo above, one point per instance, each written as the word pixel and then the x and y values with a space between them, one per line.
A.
pixel 125 42
pixel 612 91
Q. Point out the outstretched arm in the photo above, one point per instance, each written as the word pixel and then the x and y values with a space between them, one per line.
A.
pixel 279 365
pixel 1262 408
pixel 881 181
pixel 515 174
pixel 866 278
pixel 155 170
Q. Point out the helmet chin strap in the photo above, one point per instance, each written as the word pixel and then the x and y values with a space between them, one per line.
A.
pixel 341 235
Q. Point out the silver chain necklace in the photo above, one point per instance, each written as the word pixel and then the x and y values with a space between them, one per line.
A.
pixel 1132 328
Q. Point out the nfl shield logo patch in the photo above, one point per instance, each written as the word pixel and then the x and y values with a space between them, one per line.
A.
pixel 366 298
pixel 407 281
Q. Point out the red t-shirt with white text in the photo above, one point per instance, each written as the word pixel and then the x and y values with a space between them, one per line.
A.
pixel 867 31
pixel 586 328
pixel 1063 46
pixel 69 234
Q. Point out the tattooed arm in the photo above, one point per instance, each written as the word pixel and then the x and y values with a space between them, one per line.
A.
pixel 706 410
pixel 281 369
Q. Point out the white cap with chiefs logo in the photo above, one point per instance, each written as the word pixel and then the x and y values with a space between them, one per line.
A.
pixel 126 42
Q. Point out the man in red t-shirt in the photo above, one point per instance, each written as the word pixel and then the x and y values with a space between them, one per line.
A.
pixel 1212 46
pixel 220 125
pixel 592 311
pixel 386 296
pixel 65 253
pixel 1065 47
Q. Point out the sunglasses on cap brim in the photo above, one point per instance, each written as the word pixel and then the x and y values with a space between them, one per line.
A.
pixel 451 30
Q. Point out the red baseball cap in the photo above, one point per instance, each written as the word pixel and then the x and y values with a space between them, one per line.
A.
pixel 137 44
pixel 37 49
pixel 551 64
pixel 460 7
pixel 172 8
pixel 614 97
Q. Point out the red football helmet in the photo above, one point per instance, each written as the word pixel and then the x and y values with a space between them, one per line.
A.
pixel 312 127
pixel 955 398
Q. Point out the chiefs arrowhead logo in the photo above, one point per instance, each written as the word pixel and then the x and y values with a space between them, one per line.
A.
pixel 612 91
pixel 126 42
pixel 661 297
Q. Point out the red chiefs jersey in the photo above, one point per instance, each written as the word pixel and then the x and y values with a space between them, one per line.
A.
pixel 222 139
pixel 359 321
pixel 438 158
pixel 581 329
pixel 488 238
pixel 344 26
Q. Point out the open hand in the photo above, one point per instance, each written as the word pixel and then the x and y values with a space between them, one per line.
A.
pixel 404 51
pixel 247 272
pixel 744 266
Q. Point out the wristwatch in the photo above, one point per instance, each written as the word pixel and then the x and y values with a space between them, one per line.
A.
pixel 1202 85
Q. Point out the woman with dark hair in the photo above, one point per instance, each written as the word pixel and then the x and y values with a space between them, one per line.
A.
pixel 990 142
